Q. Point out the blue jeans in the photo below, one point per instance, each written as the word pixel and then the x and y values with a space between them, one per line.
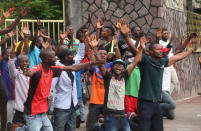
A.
pixel 168 105
pixel 150 116
pixel 116 124
pixel 38 122
pixel 64 119
pixel 81 109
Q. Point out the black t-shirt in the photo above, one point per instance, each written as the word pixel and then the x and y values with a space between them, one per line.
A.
pixel 114 93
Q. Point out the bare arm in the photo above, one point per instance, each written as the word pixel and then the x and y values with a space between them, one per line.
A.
pixel 116 40
pixel 17 20
pixel 135 61
pixel 138 57
pixel 183 55
pixel 183 45
pixel 35 35
pixel 124 31
pixel 99 25
pixel 4 41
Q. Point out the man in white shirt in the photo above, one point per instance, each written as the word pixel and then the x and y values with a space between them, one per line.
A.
pixel 65 101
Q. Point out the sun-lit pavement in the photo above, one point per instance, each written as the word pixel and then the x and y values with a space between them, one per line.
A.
pixel 188 117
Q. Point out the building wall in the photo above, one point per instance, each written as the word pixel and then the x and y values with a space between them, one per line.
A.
pixel 143 13
pixel 150 15
pixel 188 69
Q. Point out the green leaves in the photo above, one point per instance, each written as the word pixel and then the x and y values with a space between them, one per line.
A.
pixel 43 9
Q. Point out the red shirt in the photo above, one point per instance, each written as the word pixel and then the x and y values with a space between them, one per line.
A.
pixel 39 89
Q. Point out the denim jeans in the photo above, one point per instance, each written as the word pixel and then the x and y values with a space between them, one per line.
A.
pixel 168 105
pixel 150 116
pixel 64 119
pixel 81 109
pixel 116 123
pixel 93 115
pixel 38 122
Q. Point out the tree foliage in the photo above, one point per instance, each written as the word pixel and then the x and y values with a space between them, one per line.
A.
pixel 43 9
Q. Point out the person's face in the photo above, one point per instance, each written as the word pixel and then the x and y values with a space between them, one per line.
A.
pixel 24 63
pixel 69 59
pixel 7 54
pixel 40 41
pixel 105 33
pixel 136 32
pixel 45 32
pixel 103 55
pixel 157 51
pixel 165 35
pixel 51 60
pixel 118 69
pixel 71 30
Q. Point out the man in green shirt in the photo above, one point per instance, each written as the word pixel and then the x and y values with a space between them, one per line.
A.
pixel 151 70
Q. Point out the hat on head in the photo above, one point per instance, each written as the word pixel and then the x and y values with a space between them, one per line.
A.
pixel 120 61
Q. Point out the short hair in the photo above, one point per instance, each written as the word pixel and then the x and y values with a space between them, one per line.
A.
pixel 22 56
pixel 152 45
pixel 63 53
pixel 164 29
pixel 44 52
pixel 44 28
pixel 111 29
pixel 101 48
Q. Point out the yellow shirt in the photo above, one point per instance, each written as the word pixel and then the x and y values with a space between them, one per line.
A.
pixel 18 43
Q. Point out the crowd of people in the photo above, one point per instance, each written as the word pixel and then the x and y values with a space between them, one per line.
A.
pixel 132 77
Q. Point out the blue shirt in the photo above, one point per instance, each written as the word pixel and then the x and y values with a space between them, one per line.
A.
pixel 78 76
pixel 34 57
pixel 9 84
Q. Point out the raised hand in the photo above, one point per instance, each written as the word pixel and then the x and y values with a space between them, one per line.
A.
pixel 11 34
pixel 21 35
pixel 7 13
pixel 118 24
pixel 24 12
pixel 143 41
pixel 25 28
pixel 99 23
pixel 159 32
pixel 124 28
pixel 38 24
pixel 93 42
pixel 197 42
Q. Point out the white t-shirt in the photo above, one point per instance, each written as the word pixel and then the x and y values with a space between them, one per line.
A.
pixel 165 44
pixel 134 42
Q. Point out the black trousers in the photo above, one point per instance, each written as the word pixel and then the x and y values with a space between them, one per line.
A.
pixel 150 116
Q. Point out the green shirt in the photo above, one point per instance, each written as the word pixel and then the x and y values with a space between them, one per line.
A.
pixel 133 83
pixel 151 78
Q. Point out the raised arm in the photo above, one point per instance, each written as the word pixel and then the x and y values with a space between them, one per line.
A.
pixel 93 42
pixel 138 57
pixel 99 25
pixel 116 39
pixel 5 16
pixel 125 32
pixel 183 44
pixel 35 35
pixel 183 55
pixel 159 34
pixel 17 20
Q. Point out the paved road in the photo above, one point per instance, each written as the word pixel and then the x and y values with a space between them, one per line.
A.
pixel 188 117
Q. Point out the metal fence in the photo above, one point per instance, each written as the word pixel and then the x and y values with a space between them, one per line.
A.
pixel 194 24
pixel 55 27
